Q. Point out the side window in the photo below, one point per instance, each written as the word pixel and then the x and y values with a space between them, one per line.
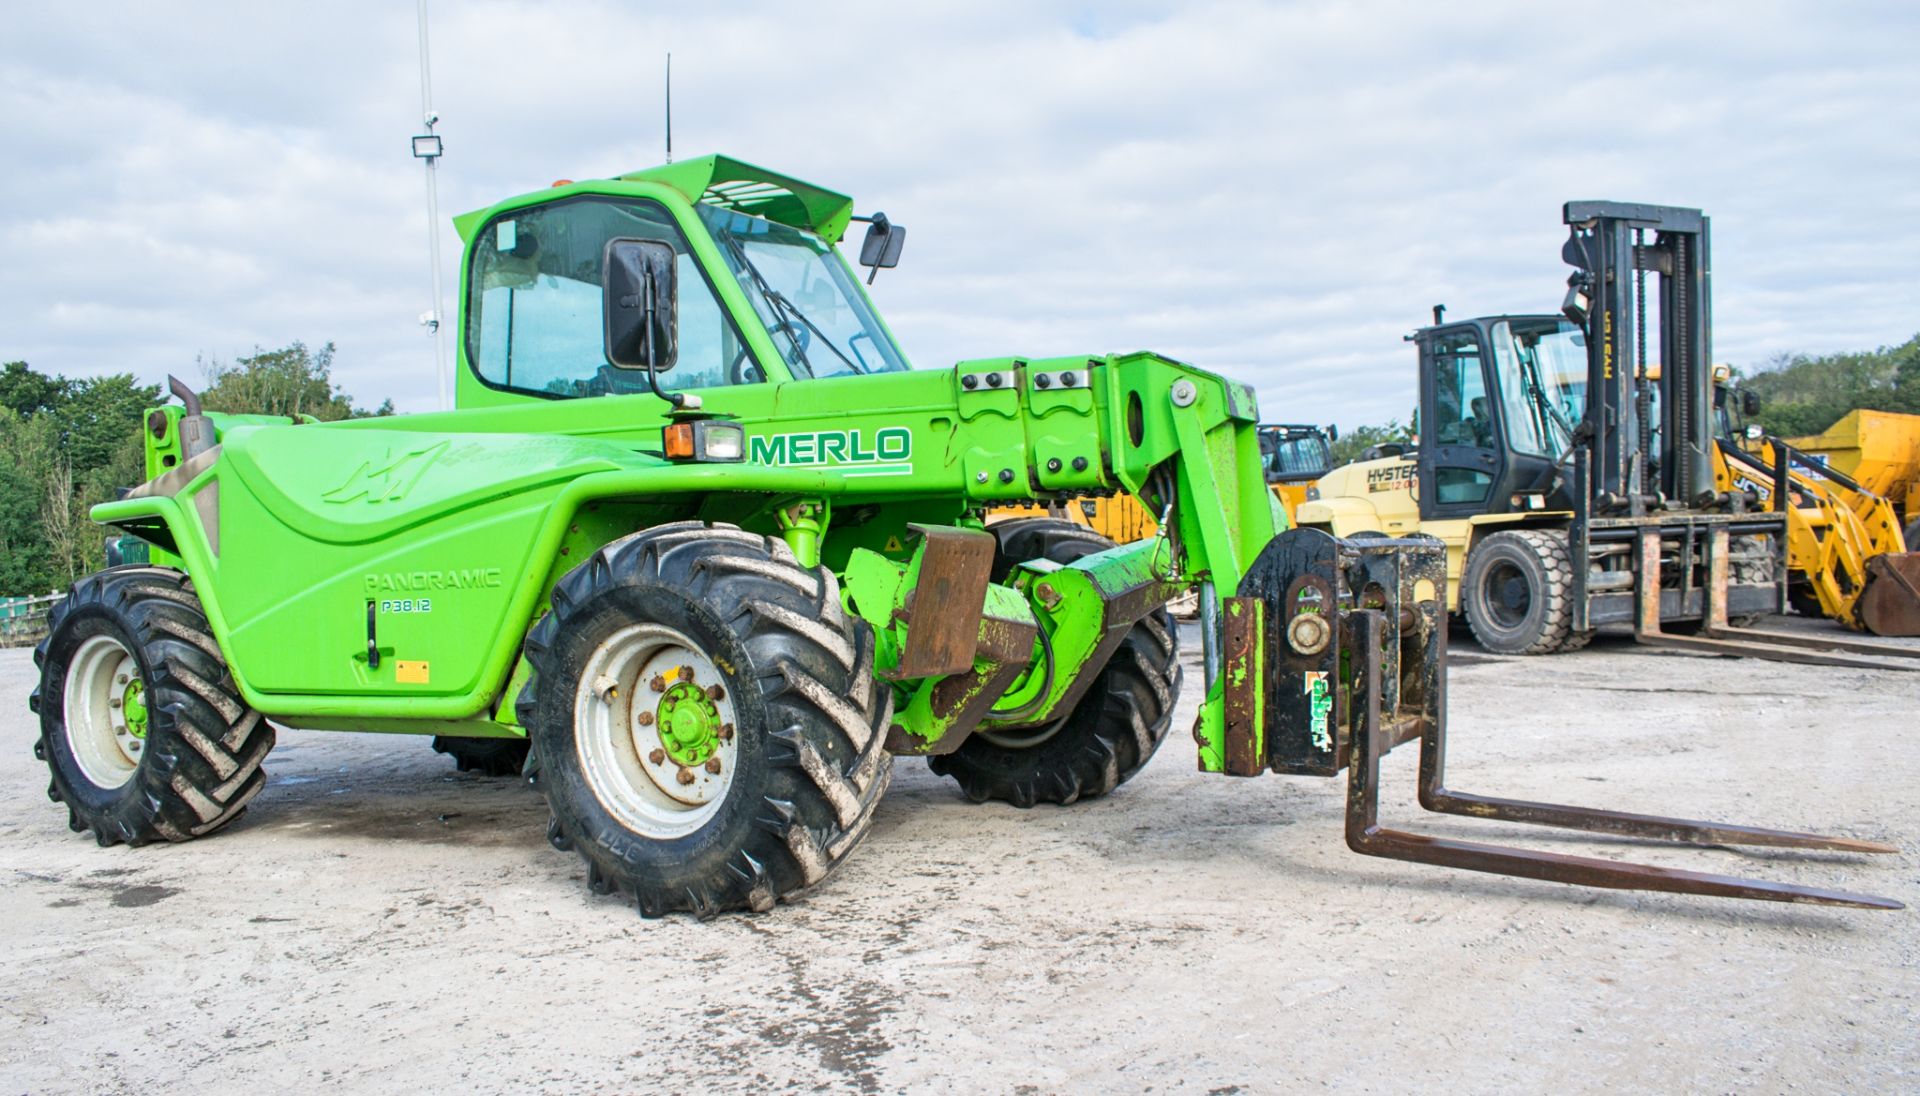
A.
pixel 1461 415
pixel 534 319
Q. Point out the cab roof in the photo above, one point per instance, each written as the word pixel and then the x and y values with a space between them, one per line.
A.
pixel 737 185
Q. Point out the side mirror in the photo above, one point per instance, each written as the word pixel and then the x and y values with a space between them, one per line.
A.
pixel 641 297
pixel 1578 300
pixel 1749 402
pixel 882 246
pixel 1333 432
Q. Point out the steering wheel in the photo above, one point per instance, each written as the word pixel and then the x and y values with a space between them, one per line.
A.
pixel 744 370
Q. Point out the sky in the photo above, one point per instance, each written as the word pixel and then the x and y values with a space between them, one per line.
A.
pixel 1277 192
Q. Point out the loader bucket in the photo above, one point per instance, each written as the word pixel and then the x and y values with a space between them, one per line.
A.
pixel 1369 674
pixel 1890 602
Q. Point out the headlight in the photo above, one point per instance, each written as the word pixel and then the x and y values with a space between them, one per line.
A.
pixel 715 440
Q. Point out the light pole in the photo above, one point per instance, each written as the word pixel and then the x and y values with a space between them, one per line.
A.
pixel 427 147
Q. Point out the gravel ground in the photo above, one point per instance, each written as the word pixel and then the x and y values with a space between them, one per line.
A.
pixel 377 920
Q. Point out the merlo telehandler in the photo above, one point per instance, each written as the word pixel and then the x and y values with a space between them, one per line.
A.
pixel 702 553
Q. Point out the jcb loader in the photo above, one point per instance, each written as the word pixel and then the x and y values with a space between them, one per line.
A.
pixel 703 551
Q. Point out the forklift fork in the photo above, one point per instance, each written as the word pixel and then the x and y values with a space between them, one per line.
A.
pixel 1719 637
pixel 1380 681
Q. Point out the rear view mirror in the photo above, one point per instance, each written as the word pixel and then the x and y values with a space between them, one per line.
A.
pixel 1749 402
pixel 640 302
pixel 1333 432
pixel 882 246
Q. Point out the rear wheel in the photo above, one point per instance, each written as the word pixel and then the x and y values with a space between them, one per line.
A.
pixel 143 731
pixel 1113 729
pixel 705 721
pixel 486 756
pixel 1517 593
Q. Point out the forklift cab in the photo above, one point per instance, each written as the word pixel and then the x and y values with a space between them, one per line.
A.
pixel 1499 399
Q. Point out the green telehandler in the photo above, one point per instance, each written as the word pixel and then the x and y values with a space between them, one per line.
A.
pixel 699 555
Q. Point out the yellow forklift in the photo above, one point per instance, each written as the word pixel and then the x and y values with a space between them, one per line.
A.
pixel 1578 484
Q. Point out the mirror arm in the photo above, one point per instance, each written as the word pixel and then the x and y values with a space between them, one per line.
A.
pixel 676 399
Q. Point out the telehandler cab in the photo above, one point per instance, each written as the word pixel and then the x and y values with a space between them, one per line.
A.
pixel 700 543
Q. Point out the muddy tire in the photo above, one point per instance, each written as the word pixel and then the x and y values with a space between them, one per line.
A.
pixel 1517 593
pixel 1114 728
pixel 486 756
pixel 733 788
pixel 141 726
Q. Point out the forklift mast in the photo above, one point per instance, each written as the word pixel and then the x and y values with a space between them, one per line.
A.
pixel 1633 470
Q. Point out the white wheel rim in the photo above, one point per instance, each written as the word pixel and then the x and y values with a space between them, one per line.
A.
pixel 104 744
pixel 631 719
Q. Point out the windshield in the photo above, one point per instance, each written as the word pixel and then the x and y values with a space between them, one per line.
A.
pixel 1293 457
pixel 1541 369
pixel 805 296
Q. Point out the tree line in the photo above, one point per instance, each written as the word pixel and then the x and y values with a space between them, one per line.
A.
pixel 67 443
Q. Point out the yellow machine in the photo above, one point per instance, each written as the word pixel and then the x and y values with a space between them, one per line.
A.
pixel 1879 450
pixel 1296 456
pixel 1575 483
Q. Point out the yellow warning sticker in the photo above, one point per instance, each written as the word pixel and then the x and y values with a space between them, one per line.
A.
pixel 894 545
pixel 411 672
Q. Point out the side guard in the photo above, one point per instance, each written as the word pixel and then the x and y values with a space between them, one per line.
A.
pixel 1370 674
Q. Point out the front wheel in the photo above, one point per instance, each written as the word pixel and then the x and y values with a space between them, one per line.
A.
pixel 1517 593
pixel 705 721
pixel 1114 728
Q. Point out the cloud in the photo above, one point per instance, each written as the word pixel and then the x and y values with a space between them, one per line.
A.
pixel 1278 192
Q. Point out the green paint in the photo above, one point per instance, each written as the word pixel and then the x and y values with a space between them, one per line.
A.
pixel 688 723
pixel 134 707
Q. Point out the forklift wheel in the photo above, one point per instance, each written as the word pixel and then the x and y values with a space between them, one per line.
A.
pixel 1114 728
pixel 1517 593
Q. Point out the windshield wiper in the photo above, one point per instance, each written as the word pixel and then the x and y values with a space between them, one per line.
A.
pixel 789 313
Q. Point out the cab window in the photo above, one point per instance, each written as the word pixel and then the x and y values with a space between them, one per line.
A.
pixel 534 319
pixel 1460 414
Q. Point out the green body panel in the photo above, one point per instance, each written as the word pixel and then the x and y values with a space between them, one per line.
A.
pixel 454 526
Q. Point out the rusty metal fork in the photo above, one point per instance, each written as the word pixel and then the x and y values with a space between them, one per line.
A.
pixel 1372 740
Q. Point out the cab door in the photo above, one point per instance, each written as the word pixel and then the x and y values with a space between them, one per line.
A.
pixel 1460 456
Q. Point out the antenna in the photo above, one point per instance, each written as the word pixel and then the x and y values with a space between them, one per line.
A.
pixel 669 104
pixel 428 147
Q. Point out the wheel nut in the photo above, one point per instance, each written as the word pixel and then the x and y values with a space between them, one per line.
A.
pixel 657 757
pixel 686 776
pixel 686 673
pixel 713 765
pixel 121 680
pixel 726 732
pixel 658 684
pixel 715 692
pixel 645 719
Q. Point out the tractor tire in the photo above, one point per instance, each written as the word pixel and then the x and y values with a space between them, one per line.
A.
pixel 141 726
pixel 705 720
pixel 1517 593
pixel 486 756
pixel 1115 727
